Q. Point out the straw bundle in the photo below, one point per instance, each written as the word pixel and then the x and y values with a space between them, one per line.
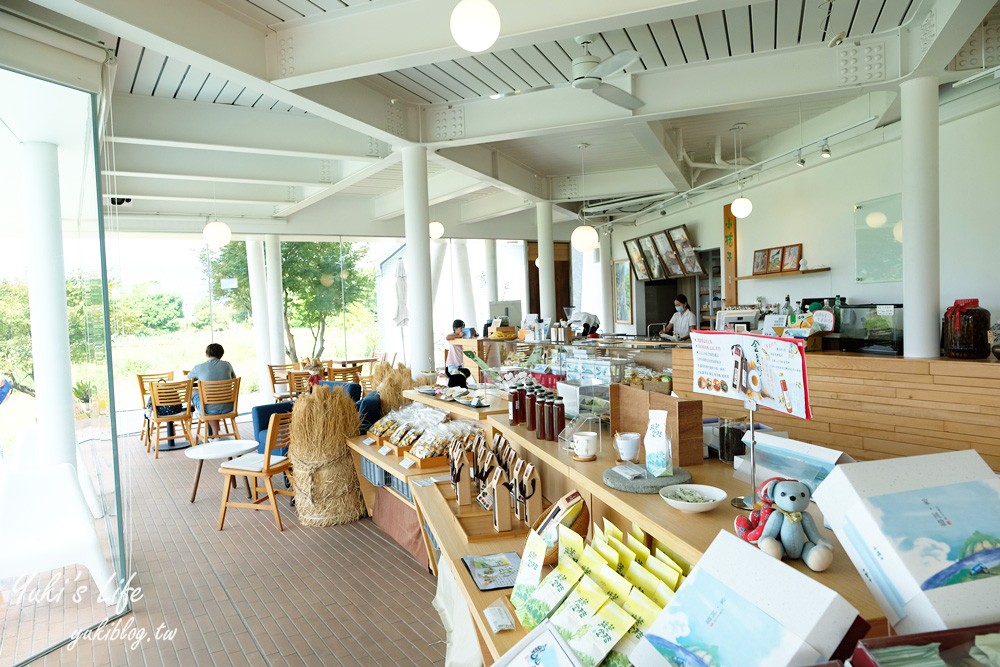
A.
pixel 390 390
pixel 379 372
pixel 327 490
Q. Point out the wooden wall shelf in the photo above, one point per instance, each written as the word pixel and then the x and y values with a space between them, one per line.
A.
pixel 783 273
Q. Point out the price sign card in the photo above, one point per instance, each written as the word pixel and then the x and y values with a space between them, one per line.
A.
pixel 770 371
pixel 407 463
pixel 385 450
pixel 368 441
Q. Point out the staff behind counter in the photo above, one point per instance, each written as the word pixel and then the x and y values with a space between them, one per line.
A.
pixel 682 322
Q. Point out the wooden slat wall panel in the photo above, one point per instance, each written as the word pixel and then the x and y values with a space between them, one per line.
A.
pixel 876 408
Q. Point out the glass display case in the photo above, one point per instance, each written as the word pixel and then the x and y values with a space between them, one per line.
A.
pixel 871 328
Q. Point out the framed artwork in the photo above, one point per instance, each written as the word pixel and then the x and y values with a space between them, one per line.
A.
pixel 668 255
pixel 790 258
pixel 685 251
pixel 635 256
pixel 774 260
pixel 649 254
pixel 623 292
pixel 759 261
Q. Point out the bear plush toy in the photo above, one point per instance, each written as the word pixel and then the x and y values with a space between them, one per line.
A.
pixel 781 526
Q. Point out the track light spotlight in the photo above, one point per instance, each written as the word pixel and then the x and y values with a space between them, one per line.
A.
pixel 824 151
pixel 801 162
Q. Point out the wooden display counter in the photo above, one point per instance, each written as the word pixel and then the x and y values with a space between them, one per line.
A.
pixel 875 407
pixel 497 406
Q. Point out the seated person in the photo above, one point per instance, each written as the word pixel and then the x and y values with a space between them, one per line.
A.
pixel 588 323
pixel 682 322
pixel 213 368
pixel 455 369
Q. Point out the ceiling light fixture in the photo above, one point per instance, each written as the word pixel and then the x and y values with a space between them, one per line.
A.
pixel 584 238
pixel 741 206
pixel 216 234
pixel 436 229
pixel 824 151
pixel 801 162
pixel 475 25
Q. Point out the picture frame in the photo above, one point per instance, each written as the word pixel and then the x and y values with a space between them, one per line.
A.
pixel 760 261
pixel 656 270
pixel 791 256
pixel 635 257
pixel 685 251
pixel 623 292
pixel 668 255
pixel 774 259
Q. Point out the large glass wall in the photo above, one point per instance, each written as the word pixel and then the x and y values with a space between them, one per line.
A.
pixel 63 561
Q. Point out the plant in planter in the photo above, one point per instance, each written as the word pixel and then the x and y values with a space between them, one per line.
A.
pixel 84 391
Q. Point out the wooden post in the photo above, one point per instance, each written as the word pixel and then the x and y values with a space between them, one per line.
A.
pixel 729 256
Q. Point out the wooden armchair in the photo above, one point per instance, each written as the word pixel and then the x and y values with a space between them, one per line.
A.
pixel 298 383
pixel 279 380
pixel 218 392
pixel 170 395
pixel 144 382
pixel 261 468
pixel 344 374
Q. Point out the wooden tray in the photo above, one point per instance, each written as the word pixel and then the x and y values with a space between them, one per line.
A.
pixel 398 450
pixel 379 440
pixel 431 462
pixel 473 521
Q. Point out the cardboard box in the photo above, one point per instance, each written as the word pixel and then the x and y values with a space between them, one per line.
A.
pixel 777 455
pixel 745 608
pixel 924 532
pixel 948 640
pixel 630 412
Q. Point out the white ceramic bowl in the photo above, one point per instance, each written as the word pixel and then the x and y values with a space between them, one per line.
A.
pixel 717 495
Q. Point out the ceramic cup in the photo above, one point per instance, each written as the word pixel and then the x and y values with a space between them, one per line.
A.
pixel 627 445
pixel 585 444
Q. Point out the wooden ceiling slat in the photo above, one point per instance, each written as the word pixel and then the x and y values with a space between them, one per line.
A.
pixel 713 30
pixel 762 16
pixel 412 87
pixel 251 10
pixel 840 17
pixel 666 39
pixel 619 41
pixel 193 82
pixel 690 36
pixel 561 60
pixel 128 64
pixel 497 65
pixel 738 25
pixel 247 98
pixel 278 9
pixel 476 68
pixel 442 92
pixel 789 18
pixel 213 86
pixel 305 7
pixel 229 93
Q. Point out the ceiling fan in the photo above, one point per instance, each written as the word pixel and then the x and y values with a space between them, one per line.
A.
pixel 588 72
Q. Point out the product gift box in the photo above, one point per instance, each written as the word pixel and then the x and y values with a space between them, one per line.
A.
pixel 777 456
pixel 924 532
pixel 739 606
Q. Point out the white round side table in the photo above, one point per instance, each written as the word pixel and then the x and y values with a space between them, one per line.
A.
pixel 219 449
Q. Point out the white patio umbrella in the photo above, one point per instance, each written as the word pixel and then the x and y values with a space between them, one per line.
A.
pixel 402 317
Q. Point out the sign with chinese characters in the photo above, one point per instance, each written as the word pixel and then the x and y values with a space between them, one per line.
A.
pixel 767 370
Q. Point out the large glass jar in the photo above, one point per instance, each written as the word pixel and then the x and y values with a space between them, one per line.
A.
pixel 965 330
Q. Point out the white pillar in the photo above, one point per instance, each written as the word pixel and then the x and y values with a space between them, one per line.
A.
pixel 416 221
pixel 492 293
pixel 43 232
pixel 258 307
pixel 546 262
pixel 465 309
pixel 606 269
pixel 921 216
pixel 275 299
pixel 438 251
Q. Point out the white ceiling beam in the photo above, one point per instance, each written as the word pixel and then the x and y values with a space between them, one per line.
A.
pixel 157 121
pixel 498 170
pixel 661 148
pixel 934 37
pixel 391 36
pixel 199 200
pixel 341 185
pixel 441 187
pixel 167 189
pixel 207 178
pixel 492 206
pixel 603 184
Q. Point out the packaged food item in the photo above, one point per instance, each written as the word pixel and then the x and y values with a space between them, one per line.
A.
pixel 595 639
pixel 659 457
pixel 615 585
pixel 644 612
pixel 530 572
pixel 591 560
pixel 625 555
pixel 550 593
pixel 570 544
pixel 579 606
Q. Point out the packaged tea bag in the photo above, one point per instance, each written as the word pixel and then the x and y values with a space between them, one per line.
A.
pixel 608 553
pixel 664 573
pixel 612 530
pixel 637 532
pixel 642 579
pixel 615 585
pixel 570 544
pixel 643 612
pixel 670 561
pixel 641 551
pixel 579 606
pixel 591 560
pixel 595 639
pixel 549 594
pixel 530 572
pixel 671 555
pixel 625 555
pixel 659 458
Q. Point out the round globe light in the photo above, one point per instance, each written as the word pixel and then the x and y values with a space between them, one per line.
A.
pixel 584 239
pixel 436 229
pixel 216 234
pixel 876 219
pixel 344 274
pixel 326 280
pixel 538 262
pixel 475 25
pixel 897 231
pixel 741 207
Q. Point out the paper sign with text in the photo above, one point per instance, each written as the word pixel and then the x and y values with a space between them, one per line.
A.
pixel 765 369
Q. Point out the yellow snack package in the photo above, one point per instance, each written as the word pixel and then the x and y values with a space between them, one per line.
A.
pixel 598 534
pixel 530 572
pixel 637 532
pixel 570 544
pixel 642 579
pixel 644 612
pixel 668 561
pixel 661 571
pixel 615 585
pixel 591 560
pixel 582 603
pixel 625 555
pixel 611 530
pixel 641 551
pixel 671 555
pixel 607 552
pixel 595 639
pixel 550 593
pixel 662 595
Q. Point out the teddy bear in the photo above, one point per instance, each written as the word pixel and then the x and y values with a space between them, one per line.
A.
pixel 781 526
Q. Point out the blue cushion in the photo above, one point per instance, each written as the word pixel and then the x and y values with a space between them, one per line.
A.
pixel 370 410
pixel 261 417
pixel 352 389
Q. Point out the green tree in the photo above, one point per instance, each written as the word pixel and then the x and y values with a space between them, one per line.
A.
pixel 153 312
pixel 320 280
pixel 15 336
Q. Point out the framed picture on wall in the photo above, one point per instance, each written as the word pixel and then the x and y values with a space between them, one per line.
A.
pixel 652 258
pixel 635 257
pixel 623 292
pixel 668 255
pixel 774 260
pixel 685 251
pixel 790 258
pixel 759 261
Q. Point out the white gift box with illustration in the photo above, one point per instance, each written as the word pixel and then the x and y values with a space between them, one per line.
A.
pixel 740 606
pixel 924 532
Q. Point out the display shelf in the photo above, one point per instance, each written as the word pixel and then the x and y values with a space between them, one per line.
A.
pixel 497 406
pixel 784 273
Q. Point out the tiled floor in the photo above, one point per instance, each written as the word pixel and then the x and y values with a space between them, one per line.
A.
pixel 344 595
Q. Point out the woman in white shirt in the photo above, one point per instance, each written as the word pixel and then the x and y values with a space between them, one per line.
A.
pixel 683 321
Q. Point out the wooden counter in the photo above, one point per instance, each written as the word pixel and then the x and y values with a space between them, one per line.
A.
pixel 497 406
pixel 875 407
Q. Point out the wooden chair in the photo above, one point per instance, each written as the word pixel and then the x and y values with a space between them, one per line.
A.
pixel 218 392
pixel 344 374
pixel 171 394
pixel 261 468
pixel 365 378
pixel 279 380
pixel 298 383
pixel 144 382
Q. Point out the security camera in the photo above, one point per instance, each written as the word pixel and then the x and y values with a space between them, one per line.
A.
pixel 662 212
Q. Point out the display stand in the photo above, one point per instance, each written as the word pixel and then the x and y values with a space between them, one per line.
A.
pixel 748 502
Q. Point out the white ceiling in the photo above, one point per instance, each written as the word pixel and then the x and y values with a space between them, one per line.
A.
pixel 281 110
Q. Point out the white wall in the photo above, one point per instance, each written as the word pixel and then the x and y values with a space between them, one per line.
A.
pixel 814 206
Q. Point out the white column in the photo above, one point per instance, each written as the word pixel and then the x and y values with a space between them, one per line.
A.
pixel 416 221
pixel 607 273
pixel 275 299
pixel 546 268
pixel 492 293
pixel 43 232
pixel 465 308
pixel 438 251
pixel 258 307
pixel 921 216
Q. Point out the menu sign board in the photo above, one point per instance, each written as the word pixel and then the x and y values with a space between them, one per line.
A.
pixel 770 371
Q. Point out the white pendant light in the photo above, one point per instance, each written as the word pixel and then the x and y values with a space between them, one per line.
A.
pixel 741 207
pixel 326 280
pixel 876 219
pixel 897 231
pixel 216 234
pixel 436 229
pixel 538 262
pixel 584 238
pixel 475 25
